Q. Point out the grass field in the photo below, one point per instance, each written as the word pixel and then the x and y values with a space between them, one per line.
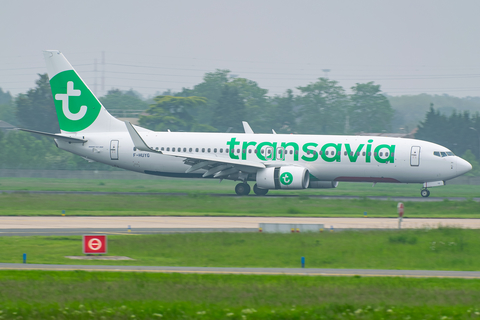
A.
pixel 201 186
pixel 121 205
pixel 97 295
pixel 434 249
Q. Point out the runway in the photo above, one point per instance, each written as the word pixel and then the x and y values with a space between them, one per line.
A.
pixel 60 225
pixel 274 196
pixel 251 271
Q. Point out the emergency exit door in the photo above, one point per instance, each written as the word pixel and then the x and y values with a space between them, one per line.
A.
pixel 114 150
pixel 415 157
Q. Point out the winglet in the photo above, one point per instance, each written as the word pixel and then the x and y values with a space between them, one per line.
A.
pixel 247 128
pixel 137 140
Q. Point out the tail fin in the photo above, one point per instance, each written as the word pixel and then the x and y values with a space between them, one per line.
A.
pixel 78 110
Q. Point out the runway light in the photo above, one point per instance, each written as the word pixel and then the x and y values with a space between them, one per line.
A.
pixel 365 214
pixel 129 228
pixel 63 213
pixel 303 262
pixel 331 228
pixel 24 258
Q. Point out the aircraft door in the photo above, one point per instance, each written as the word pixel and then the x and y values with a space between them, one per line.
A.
pixel 415 156
pixel 114 150
pixel 269 153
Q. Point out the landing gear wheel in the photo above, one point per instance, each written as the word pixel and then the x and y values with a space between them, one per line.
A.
pixel 258 191
pixel 242 189
pixel 425 193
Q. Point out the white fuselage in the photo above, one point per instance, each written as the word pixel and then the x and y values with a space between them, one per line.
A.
pixel 328 158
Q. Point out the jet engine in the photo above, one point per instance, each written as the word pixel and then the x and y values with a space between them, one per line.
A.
pixel 323 184
pixel 288 177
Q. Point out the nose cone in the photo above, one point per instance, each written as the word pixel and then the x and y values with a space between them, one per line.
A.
pixel 463 166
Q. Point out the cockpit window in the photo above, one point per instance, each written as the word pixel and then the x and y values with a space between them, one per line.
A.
pixel 443 153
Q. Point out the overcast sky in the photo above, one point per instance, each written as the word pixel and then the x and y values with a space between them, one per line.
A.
pixel 407 47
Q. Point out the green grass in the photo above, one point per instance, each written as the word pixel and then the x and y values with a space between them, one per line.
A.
pixel 434 249
pixel 200 186
pixel 102 295
pixel 120 205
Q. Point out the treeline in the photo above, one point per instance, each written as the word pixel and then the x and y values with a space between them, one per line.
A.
pixel 221 101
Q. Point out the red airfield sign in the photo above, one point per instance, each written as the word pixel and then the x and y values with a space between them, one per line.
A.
pixel 94 244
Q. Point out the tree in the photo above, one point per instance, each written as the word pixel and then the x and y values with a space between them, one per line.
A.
pixel 174 113
pixel 5 97
pixel 369 111
pixel 468 155
pixel 36 110
pixel 230 110
pixel 282 112
pixel 211 89
pixel 118 100
pixel 324 107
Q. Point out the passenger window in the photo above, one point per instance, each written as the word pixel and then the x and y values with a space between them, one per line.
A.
pixel 184 149
pixel 190 150
pixel 208 150
pixel 375 154
pixel 226 150
pixel 203 149
pixel 134 149
pixel 269 151
pixel 381 154
pixel 249 150
pixel 369 154
pixel 221 150
pixel 196 149
pixel 296 152
pixel 215 150
pixel 244 151
pixel 156 148
pixel 351 153
pixel 255 151
pixel 291 151
pixel 168 148
pixel 326 153
pixel 173 149
pixel 358 153
pixel 363 153
pixel 345 153
pixel 238 150
pixel 386 154
pixel 314 152
pixel 320 152
pixel 444 154
pixel 261 151
pixel 308 152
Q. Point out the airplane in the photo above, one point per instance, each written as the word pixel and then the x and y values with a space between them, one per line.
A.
pixel 272 161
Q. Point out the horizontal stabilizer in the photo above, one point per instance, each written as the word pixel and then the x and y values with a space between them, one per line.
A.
pixel 56 136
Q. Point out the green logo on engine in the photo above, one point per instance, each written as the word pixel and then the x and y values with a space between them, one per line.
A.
pixel 77 107
pixel 286 178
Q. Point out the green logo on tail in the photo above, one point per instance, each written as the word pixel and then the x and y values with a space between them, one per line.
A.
pixel 77 108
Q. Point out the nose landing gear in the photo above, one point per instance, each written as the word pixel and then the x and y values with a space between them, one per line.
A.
pixel 425 193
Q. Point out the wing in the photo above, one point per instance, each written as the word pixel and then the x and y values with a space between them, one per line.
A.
pixel 214 166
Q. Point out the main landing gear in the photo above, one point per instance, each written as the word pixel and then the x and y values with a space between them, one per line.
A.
pixel 243 189
pixel 425 193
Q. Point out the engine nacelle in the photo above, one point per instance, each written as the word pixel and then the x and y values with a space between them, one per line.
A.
pixel 288 177
pixel 323 184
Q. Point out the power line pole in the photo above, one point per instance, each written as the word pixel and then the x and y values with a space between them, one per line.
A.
pixel 95 75
pixel 103 72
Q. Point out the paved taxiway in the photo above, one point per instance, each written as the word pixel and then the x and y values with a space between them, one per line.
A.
pixel 251 271
pixel 60 225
